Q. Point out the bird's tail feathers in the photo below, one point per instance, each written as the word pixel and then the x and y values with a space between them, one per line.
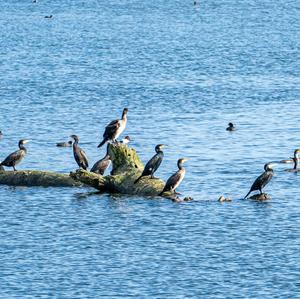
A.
pixel 137 179
pixel 247 194
pixel 102 142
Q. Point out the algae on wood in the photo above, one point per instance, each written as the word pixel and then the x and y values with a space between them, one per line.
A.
pixel 37 178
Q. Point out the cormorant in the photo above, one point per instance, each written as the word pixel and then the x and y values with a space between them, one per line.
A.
pixel 64 144
pixel 231 127
pixel 294 160
pixel 49 17
pixel 126 140
pixel 100 166
pixel 115 128
pixel 153 164
pixel 262 180
pixel 174 180
pixel 79 154
pixel 16 157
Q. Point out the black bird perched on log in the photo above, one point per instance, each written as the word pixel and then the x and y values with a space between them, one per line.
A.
pixel 231 127
pixel 64 144
pixel 101 165
pixel 79 154
pixel 174 180
pixel 262 180
pixel 16 157
pixel 153 164
pixel 115 128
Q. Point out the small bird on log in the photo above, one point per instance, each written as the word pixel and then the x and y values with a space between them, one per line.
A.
pixel 231 127
pixel 153 164
pixel 79 154
pixel 262 180
pixel 126 140
pixel 16 157
pixel 101 165
pixel 174 180
pixel 115 128
pixel 64 144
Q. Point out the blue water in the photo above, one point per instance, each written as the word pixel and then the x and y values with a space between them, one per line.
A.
pixel 184 72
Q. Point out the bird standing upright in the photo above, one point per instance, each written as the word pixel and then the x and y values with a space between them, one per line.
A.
pixel 153 164
pixel 16 157
pixel 174 180
pixel 262 180
pixel 115 128
pixel 79 154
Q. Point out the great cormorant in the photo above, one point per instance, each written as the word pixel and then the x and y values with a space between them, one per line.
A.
pixel 64 144
pixel 174 180
pixel 153 164
pixel 79 154
pixel 101 165
pixel 294 160
pixel 231 127
pixel 115 128
pixel 262 180
pixel 16 157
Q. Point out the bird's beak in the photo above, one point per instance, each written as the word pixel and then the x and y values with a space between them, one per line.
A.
pixel 184 160
pixel 25 141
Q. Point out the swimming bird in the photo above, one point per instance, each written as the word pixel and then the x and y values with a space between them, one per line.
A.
pixel 126 140
pixel 64 144
pixel 1 134
pixel 16 157
pixel 262 180
pixel 231 127
pixel 295 159
pixel 48 17
pixel 153 164
pixel 101 165
pixel 115 128
pixel 174 180
pixel 79 154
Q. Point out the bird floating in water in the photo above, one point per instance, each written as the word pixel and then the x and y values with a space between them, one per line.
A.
pixel 153 164
pixel 16 157
pixel 174 180
pixel 101 165
pixel 49 17
pixel 64 144
pixel 262 180
pixel 231 127
pixel 115 128
pixel 126 140
pixel 79 154
pixel 1 134
pixel 294 160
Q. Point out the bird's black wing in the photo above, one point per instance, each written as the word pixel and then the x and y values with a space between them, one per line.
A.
pixel 100 166
pixel 10 159
pixel 172 180
pixel 260 182
pixel 84 157
pixel 111 129
pixel 152 165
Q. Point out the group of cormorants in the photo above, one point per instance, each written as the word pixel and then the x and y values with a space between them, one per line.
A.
pixel 112 131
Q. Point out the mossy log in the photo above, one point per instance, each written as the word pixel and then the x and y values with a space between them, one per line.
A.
pixel 37 178
pixel 126 168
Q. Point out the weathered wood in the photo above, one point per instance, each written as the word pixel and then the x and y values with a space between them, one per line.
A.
pixel 260 197
pixel 37 178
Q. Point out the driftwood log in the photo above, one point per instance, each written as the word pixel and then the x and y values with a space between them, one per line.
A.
pixel 126 168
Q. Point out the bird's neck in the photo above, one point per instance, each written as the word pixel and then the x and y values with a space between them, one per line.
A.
pixel 22 147
pixel 124 116
pixel 75 143
pixel 296 161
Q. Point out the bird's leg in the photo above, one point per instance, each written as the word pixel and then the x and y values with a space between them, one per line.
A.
pixel 260 191
pixel 176 192
pixel 14 168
